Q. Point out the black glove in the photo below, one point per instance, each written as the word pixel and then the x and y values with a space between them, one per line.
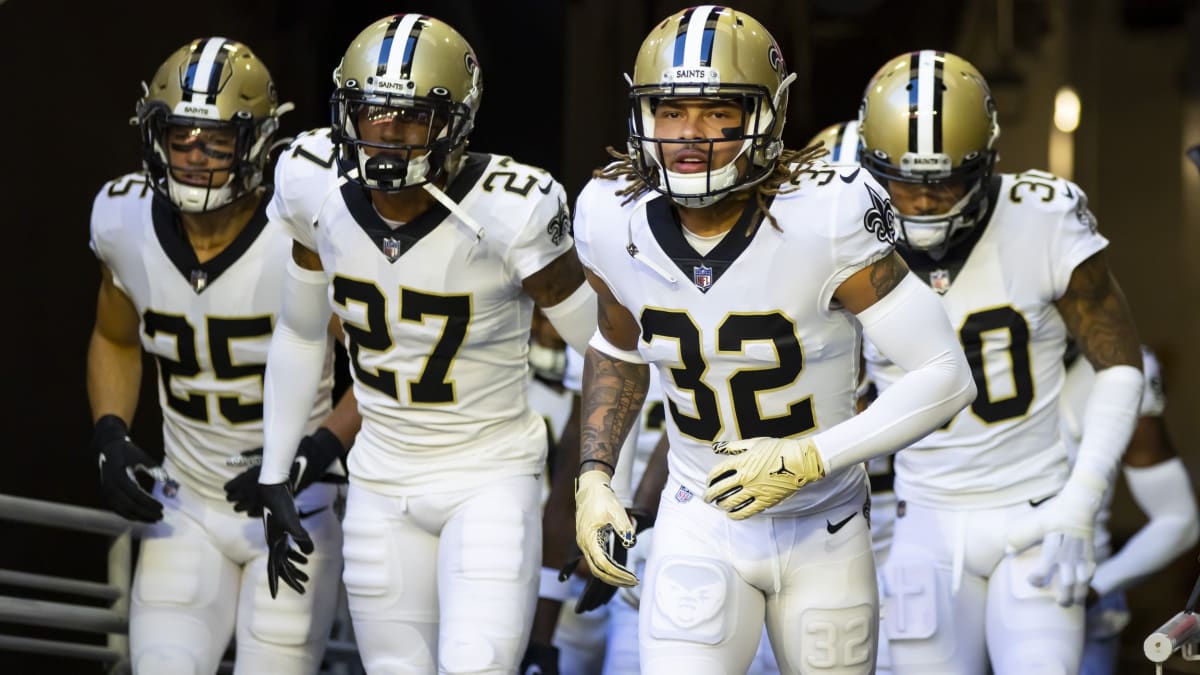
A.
pixel 597 593
pixel 315 455
pixel 280 520
pixel 539 660
pixel 119 461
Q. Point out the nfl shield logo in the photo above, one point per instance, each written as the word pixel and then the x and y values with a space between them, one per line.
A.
pixel 392 248
pixel 683 495
pixel 939 280
pixel 702 276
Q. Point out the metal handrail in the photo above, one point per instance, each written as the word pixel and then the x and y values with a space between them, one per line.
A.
pixel 113 620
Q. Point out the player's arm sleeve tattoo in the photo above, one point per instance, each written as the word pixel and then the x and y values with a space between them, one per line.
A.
pixel 613 393
pixel 887 274
pixel 614 389
pixel 1098 317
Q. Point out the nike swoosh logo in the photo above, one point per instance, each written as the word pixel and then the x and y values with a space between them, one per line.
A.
pixel 851 177
pixel 305 515
pixel 834 527
pixel 546 190
pixel 1038 502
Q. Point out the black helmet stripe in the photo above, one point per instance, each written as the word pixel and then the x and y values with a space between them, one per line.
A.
pixel 202 79
pixel 694 40
pixel 939 64
pixel 913 108
pixel 681 36
pixel 385 47
pixel 925 101
pixel 410 47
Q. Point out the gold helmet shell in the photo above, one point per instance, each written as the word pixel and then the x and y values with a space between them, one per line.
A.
pixel 701 52
pixel 210 83
pixel 406 64
pixel 928 117
pixel 841 140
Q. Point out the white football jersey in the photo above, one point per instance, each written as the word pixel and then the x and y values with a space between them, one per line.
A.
pixel 999 288
pixel 747 339
pixel 436 319
pixel 1072 404
pixel 206 324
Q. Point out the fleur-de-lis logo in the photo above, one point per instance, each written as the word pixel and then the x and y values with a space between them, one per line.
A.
pixel 880 219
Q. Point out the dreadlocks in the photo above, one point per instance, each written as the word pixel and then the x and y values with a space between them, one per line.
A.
pixel 784 178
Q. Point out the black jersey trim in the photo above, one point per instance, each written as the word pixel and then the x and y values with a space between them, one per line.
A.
pixel 667 230
pixel 174 242
pixel 402 239
pixel 921 263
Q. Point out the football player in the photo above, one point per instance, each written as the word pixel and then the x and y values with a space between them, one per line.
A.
pixel 433 258
pixel 746 272
pixel 1159 483
pixel 192 273
pixel 1018 264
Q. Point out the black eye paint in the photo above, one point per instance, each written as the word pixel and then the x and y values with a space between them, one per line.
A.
pixel 731 133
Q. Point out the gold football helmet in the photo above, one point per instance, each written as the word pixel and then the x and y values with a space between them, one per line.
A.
pixel 709 52
pixel 210 87
pixel 411 70
pixel 841 140
pixel 928 117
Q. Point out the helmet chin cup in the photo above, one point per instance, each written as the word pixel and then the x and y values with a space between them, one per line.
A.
pixel 390 172
pixel 935 234
pixel 196 199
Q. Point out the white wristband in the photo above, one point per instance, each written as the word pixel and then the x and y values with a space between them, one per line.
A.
pixel 550 588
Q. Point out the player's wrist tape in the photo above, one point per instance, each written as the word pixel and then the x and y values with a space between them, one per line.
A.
pixel 550 588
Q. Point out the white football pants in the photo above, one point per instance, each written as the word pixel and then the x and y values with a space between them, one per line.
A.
pixel 443 583
pixel 712 581
pixel 952 597
pixel 202 570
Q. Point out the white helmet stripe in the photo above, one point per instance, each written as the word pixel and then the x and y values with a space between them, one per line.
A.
pixel 694 42
pixel 395 56
pixel 926 81
pixel 202 77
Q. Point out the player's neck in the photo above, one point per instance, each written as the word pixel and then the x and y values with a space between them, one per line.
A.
pixel 404 205
pixel 716 219
pixel 210 232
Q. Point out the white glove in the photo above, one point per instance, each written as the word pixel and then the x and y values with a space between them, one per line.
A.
pixel 1064 526
pixel 763 472
pixel 599 516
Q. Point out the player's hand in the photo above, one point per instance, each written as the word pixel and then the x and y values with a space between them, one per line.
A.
pixel 761 473
pixel 280 521
pixel 1064 525
pixel 596 592
pixel 317 452
pixel 600 521
pixel 638 555
pixel 120 462
pixel 539 659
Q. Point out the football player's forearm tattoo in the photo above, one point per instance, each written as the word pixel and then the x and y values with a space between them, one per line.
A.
pixel 614 396
pixel 1095 312
pixel 887 274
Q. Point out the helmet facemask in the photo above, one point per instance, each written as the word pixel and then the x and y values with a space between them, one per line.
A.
pixel 240 140
pixel 756 131
pixel 425 138
pixel 936 234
